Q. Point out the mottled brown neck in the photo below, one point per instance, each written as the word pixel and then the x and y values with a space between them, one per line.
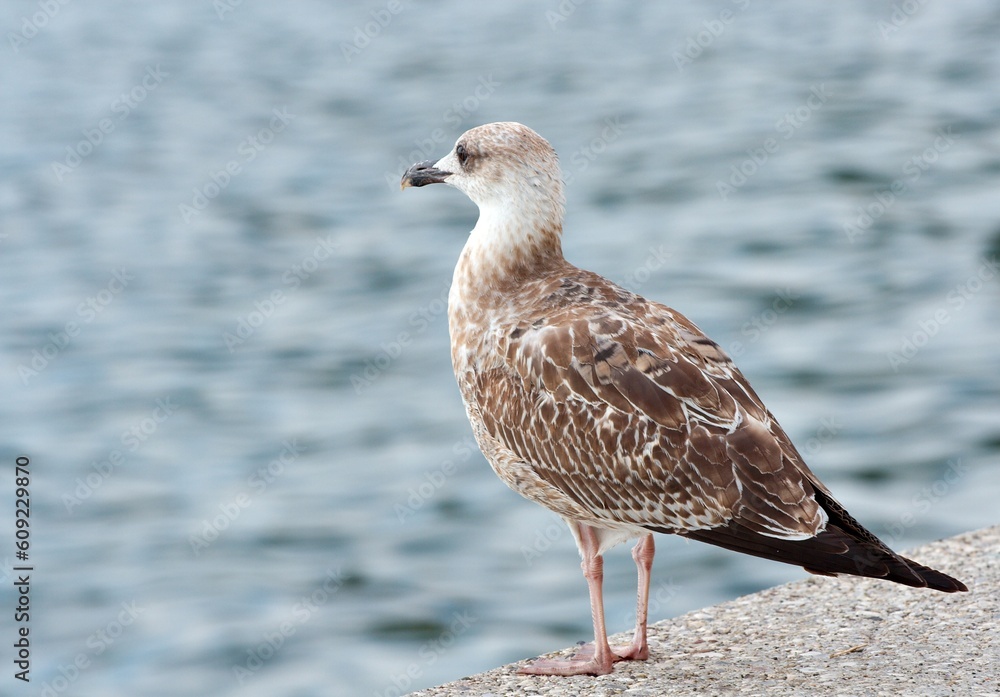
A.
pixel 497 267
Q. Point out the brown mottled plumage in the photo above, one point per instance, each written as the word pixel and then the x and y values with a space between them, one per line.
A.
pixel 616 412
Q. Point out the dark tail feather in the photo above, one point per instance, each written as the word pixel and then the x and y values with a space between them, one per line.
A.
pixel 830 553
pixel 845 547
pixel 930 578
pixel 935 579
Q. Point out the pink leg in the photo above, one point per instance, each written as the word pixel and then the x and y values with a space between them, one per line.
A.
pixel 642 553
pixel 598 659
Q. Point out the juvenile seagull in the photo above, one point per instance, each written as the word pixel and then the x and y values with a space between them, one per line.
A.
pixel 617 412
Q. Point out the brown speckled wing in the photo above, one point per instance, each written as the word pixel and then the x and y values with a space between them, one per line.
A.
pixel 632 412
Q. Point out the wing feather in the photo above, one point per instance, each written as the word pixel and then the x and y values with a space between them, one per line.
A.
pixel 656 426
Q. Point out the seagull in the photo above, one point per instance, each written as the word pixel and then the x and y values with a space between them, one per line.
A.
pixel 617 412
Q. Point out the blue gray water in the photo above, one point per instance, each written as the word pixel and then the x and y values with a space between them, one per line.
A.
pixel 223 341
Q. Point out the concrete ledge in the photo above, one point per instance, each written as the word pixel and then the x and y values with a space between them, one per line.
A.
pixel 819 636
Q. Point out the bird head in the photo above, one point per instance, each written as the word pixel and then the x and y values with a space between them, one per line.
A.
pixel 501 165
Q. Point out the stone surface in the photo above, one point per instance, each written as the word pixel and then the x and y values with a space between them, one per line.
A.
pixel 820 636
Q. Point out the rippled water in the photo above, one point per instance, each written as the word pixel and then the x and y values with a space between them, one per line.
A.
pixel 223 339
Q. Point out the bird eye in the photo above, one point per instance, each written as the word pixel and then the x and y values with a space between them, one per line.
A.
pixel 462 154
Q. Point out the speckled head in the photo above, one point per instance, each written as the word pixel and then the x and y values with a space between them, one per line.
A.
pixel 512 174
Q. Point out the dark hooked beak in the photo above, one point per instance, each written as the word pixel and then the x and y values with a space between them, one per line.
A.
pixel 422 174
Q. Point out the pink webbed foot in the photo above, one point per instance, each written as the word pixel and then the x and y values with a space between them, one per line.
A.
pixel 583 662
pixel 632 652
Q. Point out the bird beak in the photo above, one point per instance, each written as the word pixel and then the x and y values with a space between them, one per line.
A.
pixel 422 174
